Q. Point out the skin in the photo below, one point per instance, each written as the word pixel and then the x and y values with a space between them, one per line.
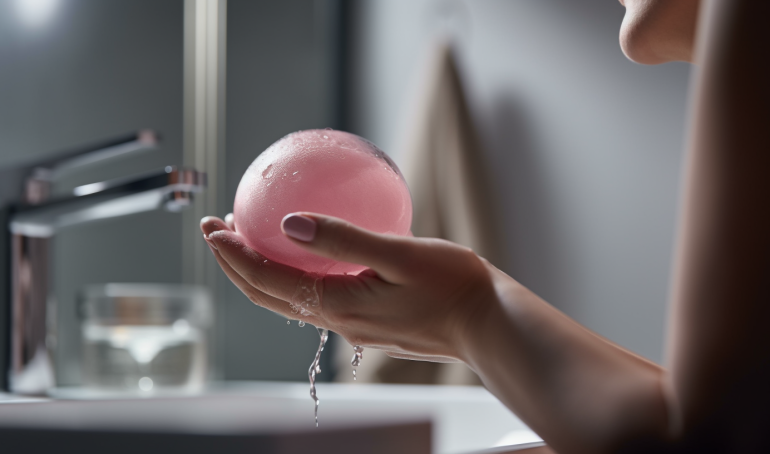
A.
pixel 433 300
pixel 659 31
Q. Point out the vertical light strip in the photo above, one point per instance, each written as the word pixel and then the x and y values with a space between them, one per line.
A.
pixel 205 33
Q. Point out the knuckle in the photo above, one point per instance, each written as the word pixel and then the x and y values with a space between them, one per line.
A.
pixel 254 295
pixel 339 317
pixel 351 338
pixel 255 279
pixel 408 254
pixel 341 245
pixel 259 278
pixel 468 256
pixel 406 248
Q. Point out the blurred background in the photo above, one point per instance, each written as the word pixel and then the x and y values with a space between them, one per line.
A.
pixel 580 148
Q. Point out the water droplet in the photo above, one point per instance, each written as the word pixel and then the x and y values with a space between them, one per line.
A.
pixel 301 324
pixel 268 172
pixel 326 137
pixel 145 384
pixel 288 322
pixel 358 355
pixel 328 129
pixel 306 298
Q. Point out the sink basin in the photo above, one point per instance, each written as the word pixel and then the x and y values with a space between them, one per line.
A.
pixel 466 419
pixel 274 417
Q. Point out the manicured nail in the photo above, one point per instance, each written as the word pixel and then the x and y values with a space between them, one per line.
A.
pixel 299 227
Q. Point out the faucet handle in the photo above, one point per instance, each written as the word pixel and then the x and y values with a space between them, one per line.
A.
pixel 37 186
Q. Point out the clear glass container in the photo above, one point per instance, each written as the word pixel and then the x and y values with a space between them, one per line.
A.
pixel 145 338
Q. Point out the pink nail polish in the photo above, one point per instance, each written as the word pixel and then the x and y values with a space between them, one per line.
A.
pixel 299 227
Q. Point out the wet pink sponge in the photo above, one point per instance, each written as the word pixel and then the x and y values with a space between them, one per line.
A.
pixel 320 171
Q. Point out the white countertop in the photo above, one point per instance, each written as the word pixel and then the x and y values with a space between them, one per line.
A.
pixel 465 419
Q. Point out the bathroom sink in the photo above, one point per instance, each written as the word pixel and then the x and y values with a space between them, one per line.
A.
pixel 6 398
pixel 466 419
pixel 271 417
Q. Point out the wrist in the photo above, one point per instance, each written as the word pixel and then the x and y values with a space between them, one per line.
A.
pixel 472 334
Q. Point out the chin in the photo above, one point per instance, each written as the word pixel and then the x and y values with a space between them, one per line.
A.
pixel 638 45
pixel 655 32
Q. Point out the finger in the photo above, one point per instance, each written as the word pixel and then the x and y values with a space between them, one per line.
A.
pixel 275 279
pixel 412 357
pixel 336 239
pixel 230 221
pixel 210 224
pixel 255 296
pixel 272 279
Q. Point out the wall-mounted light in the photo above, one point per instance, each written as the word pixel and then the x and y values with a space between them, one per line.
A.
pixel 36 12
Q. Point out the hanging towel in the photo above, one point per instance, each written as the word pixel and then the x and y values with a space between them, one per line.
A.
pixel 442 163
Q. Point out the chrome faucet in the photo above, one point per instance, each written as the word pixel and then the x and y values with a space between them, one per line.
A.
pixel 31 223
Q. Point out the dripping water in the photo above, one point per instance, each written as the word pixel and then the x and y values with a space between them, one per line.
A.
pixel 315 368
pixel 358 355
pixel 306 300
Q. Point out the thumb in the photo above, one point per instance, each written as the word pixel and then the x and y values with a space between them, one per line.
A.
pixel 340 240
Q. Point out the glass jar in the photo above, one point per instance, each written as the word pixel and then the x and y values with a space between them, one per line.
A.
pixel 145 338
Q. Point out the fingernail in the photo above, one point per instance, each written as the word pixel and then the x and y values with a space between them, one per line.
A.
pixel 206 219
pixel 299 227
pixel 211 243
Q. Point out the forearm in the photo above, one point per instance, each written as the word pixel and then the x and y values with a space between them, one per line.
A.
pixel 580 392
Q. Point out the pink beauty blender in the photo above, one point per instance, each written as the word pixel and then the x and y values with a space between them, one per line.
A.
pixel 320 171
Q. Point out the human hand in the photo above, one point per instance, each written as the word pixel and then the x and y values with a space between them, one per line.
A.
pixel 419 299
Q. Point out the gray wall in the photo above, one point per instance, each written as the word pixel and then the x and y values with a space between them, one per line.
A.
pixel 95 69
pixel 99 68
pixel 583 146
pixel 280 79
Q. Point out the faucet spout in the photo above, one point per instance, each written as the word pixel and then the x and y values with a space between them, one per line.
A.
pixel 170 188
pixel 33 223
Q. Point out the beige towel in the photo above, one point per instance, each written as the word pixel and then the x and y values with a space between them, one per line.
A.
pixel 442 164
